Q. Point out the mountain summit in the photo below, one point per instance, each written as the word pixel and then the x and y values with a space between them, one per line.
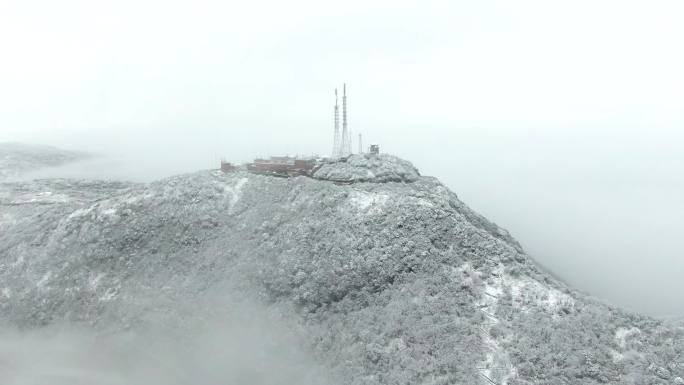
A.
pixel 384 274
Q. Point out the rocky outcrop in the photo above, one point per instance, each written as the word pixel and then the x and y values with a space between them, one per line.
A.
pixel 374 168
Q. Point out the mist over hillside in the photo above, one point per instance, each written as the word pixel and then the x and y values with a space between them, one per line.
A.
pixel 17 158
pixel 213 278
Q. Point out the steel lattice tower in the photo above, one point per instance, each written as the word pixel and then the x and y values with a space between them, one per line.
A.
pixel 337 148
pixel 346 133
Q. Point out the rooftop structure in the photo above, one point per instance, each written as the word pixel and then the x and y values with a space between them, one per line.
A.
pixel 227 166
pixel 374 149
pixel 283 166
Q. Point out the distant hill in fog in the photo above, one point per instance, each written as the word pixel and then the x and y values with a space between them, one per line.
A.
pixel 17 159
pixel 387 279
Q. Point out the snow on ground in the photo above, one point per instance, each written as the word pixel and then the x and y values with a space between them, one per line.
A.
pixel 96 211
pixel 134 199
pixel 6 221
pixel 80 213
pixel 44 279
pixel 526 293
pixel 622 334
pixel 94 281
pixel 40 197
pixel 496 367
pixel 365 202
pixel 617 356
pixel 368 168
pixel 193 268
pixel 235 192
pixel 421 202
pixel 109 209
pixel 231 192
pixel 18 262
pixel 109 294
pixel 109 212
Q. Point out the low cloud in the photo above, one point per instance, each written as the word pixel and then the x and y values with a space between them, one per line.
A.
pixel 242 346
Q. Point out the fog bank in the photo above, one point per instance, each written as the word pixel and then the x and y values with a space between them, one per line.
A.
pixel 243 346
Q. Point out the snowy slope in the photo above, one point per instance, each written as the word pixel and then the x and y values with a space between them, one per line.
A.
pixel 390 279
pixel 17 159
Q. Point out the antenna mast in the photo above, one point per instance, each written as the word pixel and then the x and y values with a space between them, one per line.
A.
pixel 346 134
pixel 336 140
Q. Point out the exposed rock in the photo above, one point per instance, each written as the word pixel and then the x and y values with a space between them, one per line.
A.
pixel 375 168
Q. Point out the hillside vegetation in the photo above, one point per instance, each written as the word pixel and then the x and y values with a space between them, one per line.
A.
pixel 386 279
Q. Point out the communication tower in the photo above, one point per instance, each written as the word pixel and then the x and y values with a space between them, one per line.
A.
pixel 337 147
pixel 346 133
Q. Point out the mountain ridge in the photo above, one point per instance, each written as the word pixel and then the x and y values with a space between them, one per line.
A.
pixel 393 281
pixel 17 159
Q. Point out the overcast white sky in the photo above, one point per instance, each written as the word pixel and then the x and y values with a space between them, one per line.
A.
pixel 560 121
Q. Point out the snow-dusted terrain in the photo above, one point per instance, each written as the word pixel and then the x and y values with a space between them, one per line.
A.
pixel 378 168
pixel 387 278
pixel 17 159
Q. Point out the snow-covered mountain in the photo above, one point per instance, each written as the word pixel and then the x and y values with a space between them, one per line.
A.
pixel 17 158
pixel 385 279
